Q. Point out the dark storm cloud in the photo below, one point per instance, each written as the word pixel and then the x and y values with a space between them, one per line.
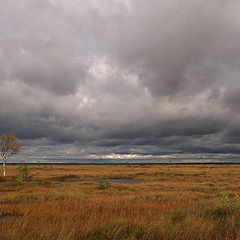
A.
pixel 177 48
pixel 37 48
pixel 127 78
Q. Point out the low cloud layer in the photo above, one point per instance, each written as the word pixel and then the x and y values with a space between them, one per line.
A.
pixel 122 79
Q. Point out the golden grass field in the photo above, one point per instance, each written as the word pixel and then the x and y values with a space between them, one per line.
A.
pixel 182 202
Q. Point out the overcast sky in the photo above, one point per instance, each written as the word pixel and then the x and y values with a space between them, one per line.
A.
pixel 130 79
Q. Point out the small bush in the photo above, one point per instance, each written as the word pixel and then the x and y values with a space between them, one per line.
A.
pixel 24 170
pixel 20 180
pixel 24 174
pixel 226 206
pixel 104 184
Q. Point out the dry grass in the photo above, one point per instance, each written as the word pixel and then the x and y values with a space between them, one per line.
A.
pixel 181 202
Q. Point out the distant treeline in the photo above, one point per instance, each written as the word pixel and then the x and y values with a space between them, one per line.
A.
pixel 191 163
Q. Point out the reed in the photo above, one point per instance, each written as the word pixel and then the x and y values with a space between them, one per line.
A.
pixel 182 202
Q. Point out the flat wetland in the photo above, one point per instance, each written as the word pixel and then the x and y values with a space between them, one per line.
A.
pixel 65 202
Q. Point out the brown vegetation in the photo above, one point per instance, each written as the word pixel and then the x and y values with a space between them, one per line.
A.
pixel 182 202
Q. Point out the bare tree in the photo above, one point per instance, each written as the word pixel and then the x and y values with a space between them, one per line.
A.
pixel 8 147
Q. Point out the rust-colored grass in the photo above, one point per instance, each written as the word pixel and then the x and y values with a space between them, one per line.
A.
pixel 180 202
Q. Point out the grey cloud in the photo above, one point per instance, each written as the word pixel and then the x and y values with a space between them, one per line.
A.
pixel 40 51
pixel 177 48
pixel 150 78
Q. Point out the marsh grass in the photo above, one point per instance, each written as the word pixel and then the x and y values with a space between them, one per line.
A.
pixel 66 177
pixel 47 183
pixel 182 203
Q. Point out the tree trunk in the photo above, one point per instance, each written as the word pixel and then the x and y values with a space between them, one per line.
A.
pixel 4 168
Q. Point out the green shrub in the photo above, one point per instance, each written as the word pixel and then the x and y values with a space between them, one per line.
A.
pixel 104 184
pixel 226 206
pixel 20 180
pixel 23 174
